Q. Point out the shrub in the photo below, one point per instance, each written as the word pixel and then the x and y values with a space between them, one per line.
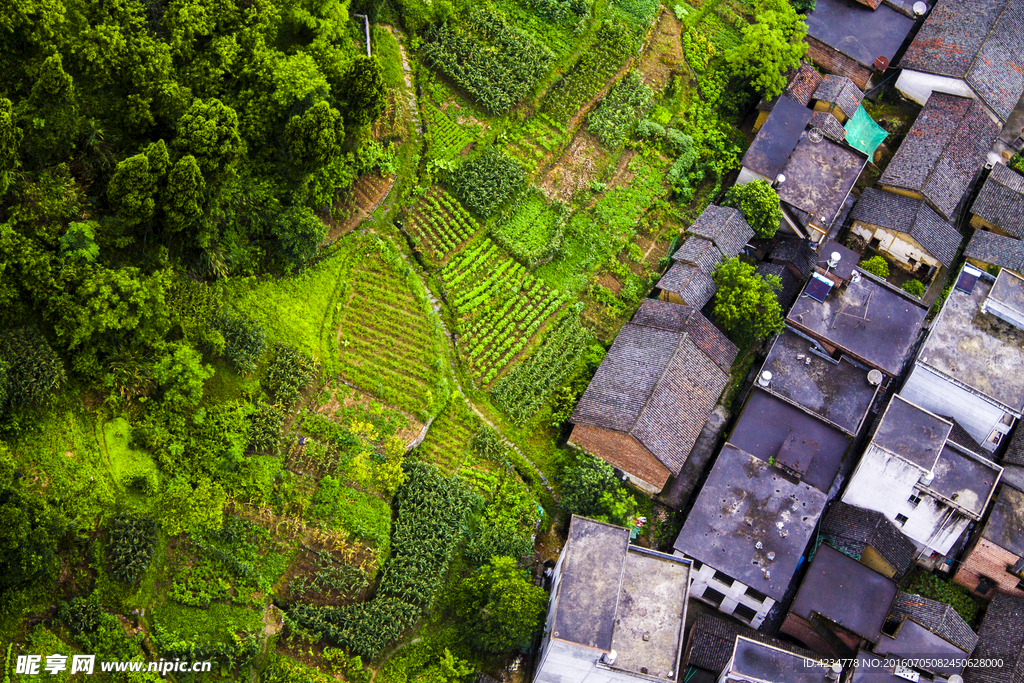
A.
pixel 1017 162
pixel 141 480
pixel 648 129
pixel 803 6
pixel 29 369
pixel 244 341
pixel 590 488
pixel 680 144
pixel 914 288
pixel 289 373
pixel 132 541
pixel 613 119
pixel 485 183
pixel 875 265
pixel 265 428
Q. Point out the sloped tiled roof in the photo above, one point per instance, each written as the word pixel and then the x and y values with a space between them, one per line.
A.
pixel 1001 200
pixel 938 617
pixel 712 638
pixel 981 41
pixel 725 226
pixel 796 251
pixel 1015 451
pixel 804 82
pixel 943 150
pixel 699 252
pixel 1001 638
pixel 912 217
pixel 962 438
pixel 873 4
pixel 850 529
pixel 999 250
pixel 829 125
pixel 658 383
pixel 692 284
pixel 790 284
pixel 840 91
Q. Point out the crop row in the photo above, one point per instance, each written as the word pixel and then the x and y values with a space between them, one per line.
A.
pixel 536 140
pixel 445 137
pixel 534 230
pixel 441 224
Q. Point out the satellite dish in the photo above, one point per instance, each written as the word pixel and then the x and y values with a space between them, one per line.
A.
pixel 815 135
pixel 920 8
pixel 874 377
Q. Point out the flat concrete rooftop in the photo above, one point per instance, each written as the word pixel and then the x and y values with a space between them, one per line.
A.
pixel 912 433
pixel 867 320
pixel 977 349
pixel 836 392
pixel 968 480
pixel 858 31
pixel 819 177
pixel 761 662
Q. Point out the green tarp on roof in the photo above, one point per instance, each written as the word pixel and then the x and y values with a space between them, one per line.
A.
pixel 863 133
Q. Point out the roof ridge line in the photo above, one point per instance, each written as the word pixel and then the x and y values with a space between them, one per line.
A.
pixel 682 337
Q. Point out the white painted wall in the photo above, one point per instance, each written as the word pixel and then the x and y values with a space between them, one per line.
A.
pixel 934 393
pixel 748 176
pixel 734 594
pixel 918 86
pixel 563 662
pixel 885 482
pixel 897 245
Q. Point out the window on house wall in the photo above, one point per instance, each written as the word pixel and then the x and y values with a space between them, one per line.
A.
pixel 744 612
pixel 724 578
pixel 1020 585
pixel 901 519
pixel 985 585
pixel 755 594
pixel 711 595
pixel 914 499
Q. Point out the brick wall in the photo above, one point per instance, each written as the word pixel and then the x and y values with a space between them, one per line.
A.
pixel 624 452
pixel 836 62
pixel 990 561
pixel 797 627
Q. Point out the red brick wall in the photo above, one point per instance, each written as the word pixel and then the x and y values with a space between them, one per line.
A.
pixel 797 627
pixel 836 62
pixel 622 451
pixel 988 560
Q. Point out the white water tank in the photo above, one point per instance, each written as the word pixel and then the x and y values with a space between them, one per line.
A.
pixel 765 378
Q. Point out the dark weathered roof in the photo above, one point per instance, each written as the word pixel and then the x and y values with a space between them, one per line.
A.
pixel 999 250
pixel 962 438
pixel 841 91
pixel 659 381
pixel 1015 451
pixel 907 638
pixel 790 283
pixel 912 217
pixel 981 41
pixel 795 251
pixel 803 83
pixel 712 639
pixel 845 592
pixel 1001 200
pixel 1005 526
pixel 851 529
pixel 777 137
pixel 943 150
pixel 699 252
pixel 756 661
pixel 829 125
pixel 725 226
pixel 741 505
pixel 1001 638
pixel 819 177
pixel 691 283
pixel 858 32
pixel 912 433
pixel 938 617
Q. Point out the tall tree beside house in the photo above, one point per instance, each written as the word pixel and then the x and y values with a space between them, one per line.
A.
pixel 770 46
pixel 746 305
pixel 499 608
pixel 759 204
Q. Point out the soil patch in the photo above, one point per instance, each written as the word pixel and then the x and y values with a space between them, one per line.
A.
pixel 364 196
pixel 664 55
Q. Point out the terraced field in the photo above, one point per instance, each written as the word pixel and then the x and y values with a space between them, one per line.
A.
pixel 440 226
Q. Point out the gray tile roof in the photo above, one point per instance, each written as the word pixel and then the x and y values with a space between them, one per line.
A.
pixel 942 152
pixel 699 252
pixel 796 252
pixel 1015 451
pixel 999 250
pixel 938 617
pixel 829 125
pixel 658 381
pixel 801 86
pixel 725 226
pixel 841 91
pixel 692 284
pixel 1001 200
pixel 791 285
pixel 712 638
pixel 912 217
pixel 1001 637
pixel 851 529
pixel 981 41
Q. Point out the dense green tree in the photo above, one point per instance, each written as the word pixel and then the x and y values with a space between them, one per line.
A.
pixel 132 191
pixel 10 144
pixel 759 204
pixel 876 265
pixel 590 488
pixel 499 608
pixel 180 375
pixel 209 132
pixel 362 91
pixel 746 304
pixel 79 242
pixel 299 233
pixel 185 195
pixel 314 138
pixel 191 508
pixel 51 118
pixel 770 46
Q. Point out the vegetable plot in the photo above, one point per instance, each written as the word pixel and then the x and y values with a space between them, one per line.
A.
pixel 533 232
pixel 612 47
pixel 440 225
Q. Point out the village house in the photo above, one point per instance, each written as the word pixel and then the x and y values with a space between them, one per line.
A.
pixel 971 366
pixel 841 605
pixel 868 537
pixel 753 661
pixel 746 534
pixel 989 248
pixel 994 561
pixel 858 40
pixel 929 631
pixel 712 641
pixel 653 392
pixel 792 260
pixel 719 232
pixel 942 153
pixel 852 313
pixel 999 206
pixel 971 49
pixel 999 654
pixel 907 231
pixel 928 485
pixel 617 610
